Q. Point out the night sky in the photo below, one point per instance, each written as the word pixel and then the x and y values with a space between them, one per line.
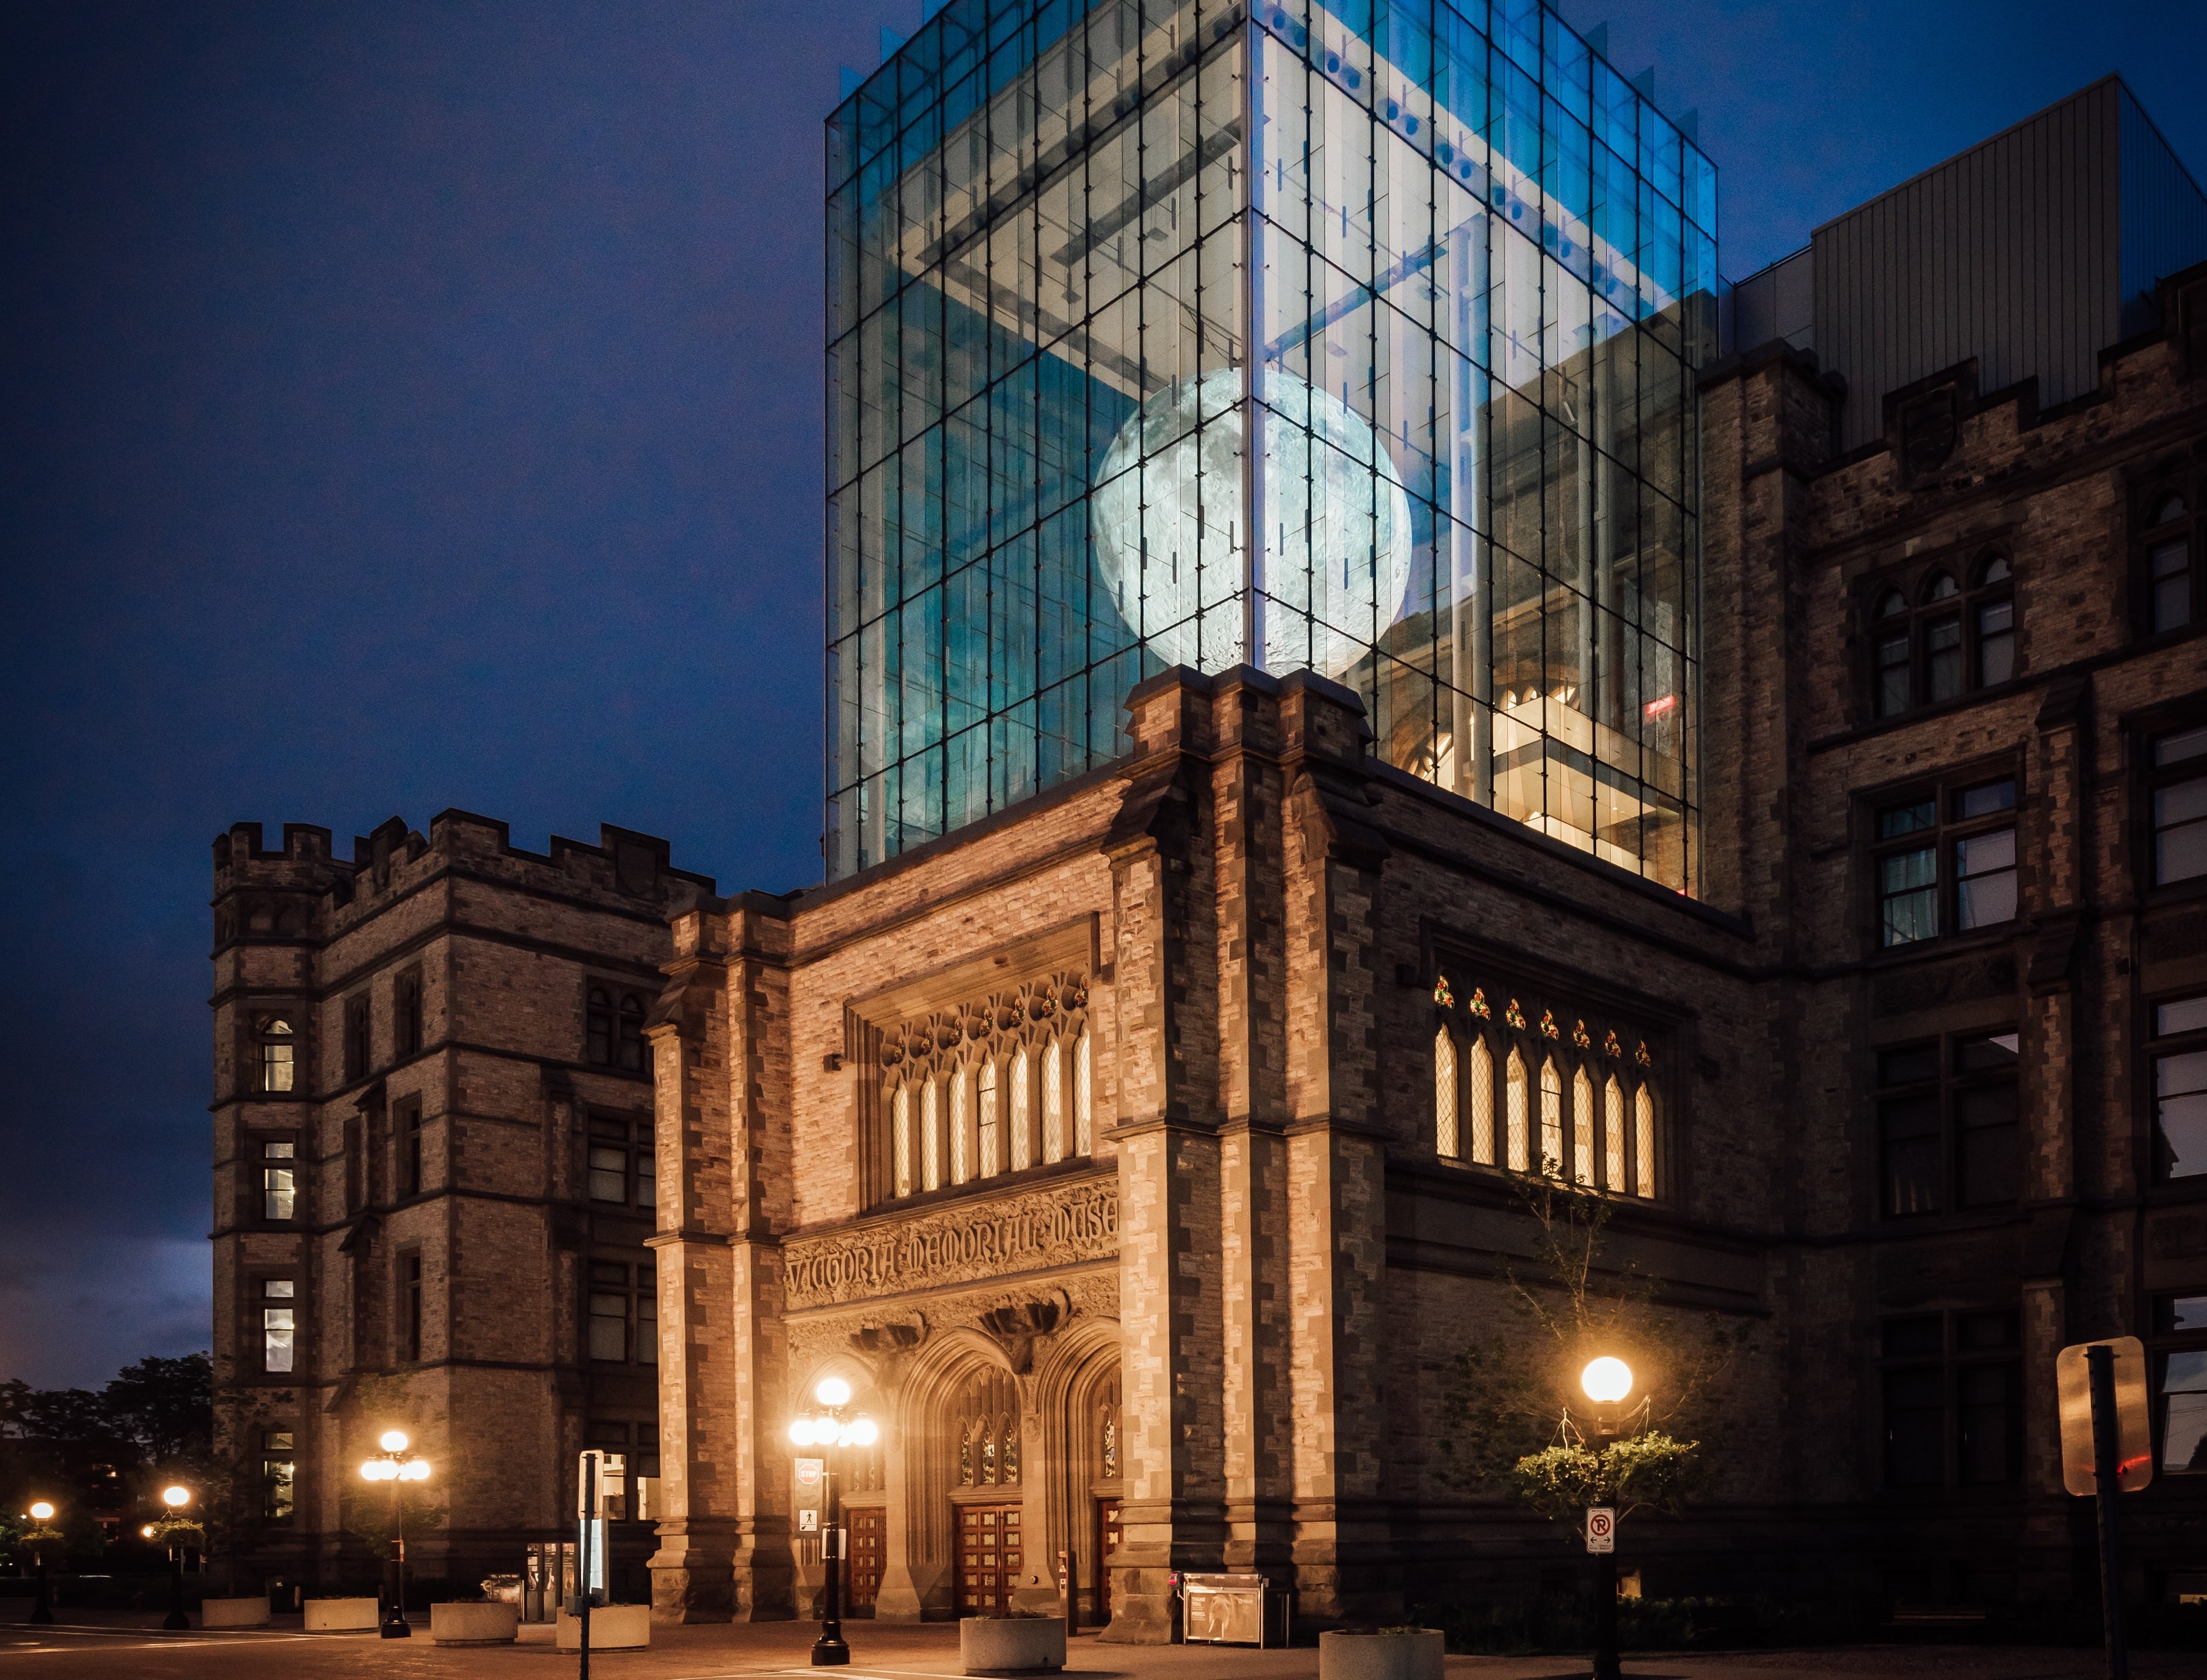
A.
pixel 410 405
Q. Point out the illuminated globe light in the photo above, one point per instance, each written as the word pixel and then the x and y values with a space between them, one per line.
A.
pixel 832 1391
pixel 801 1433
pixel 864 1433
pixel 175 1497
pixel 41 1512
pixel 394 1440
pixel 1336 519
pixel 414 1469
pixel 1606 1380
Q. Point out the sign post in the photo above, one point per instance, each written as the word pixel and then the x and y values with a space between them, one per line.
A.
pixel 2106 1450
pixel 1601 1541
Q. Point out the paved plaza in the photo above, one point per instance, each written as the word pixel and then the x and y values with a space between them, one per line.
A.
pixel 128 1647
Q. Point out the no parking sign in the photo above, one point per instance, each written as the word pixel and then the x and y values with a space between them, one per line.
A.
pixel 1601 1528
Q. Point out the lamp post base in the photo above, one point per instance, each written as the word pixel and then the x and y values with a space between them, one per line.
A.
pixel 831 1652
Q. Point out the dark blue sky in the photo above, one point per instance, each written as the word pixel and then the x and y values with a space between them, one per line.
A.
pixel 413 405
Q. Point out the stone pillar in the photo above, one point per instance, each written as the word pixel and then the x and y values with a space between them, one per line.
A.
pixel 1336 1173
pixel 1166 1050
pixel 691 1577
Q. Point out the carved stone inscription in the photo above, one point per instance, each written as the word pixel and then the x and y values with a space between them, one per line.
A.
pixel 1044 1227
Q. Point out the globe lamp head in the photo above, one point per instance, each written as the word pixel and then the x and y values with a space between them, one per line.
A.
pixel 176 1498
pixel 393 1440
pixel 415 1470
pixel 1606 1380
pixel 147 1531
pixel 864 1433
pixel 42 1512
pixel 800 1431
pixel 832 1391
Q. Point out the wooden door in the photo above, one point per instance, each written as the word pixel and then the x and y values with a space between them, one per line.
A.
pixel 869 1532
pixel 1107 1542
pixel 989 1553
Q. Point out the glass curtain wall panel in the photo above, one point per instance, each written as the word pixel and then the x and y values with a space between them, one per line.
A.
pixel 1480 270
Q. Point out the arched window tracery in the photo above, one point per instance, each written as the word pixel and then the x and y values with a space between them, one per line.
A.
pixel 999 1086
pixel 1582 1128
pixel 992 1138
pixel 1444 1094
pixel 1595 1079
pixel 985 1431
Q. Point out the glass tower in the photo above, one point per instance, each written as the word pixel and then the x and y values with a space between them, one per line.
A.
pixel 1453 270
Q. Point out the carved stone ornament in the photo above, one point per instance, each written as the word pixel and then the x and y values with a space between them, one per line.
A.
pixel 1062 1225
pixel 993 1025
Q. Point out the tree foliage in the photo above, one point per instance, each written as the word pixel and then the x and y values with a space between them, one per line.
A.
pixel 1517 1420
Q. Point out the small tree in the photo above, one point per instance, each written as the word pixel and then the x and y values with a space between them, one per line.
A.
pixel 1516 1417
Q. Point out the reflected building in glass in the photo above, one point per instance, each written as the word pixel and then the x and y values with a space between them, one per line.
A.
pixel 1455 271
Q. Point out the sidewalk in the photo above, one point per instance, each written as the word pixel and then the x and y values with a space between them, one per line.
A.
pixel 126 1645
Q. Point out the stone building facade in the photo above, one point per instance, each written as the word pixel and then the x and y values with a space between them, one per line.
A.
pixel 433 1179
pixel 1158 1137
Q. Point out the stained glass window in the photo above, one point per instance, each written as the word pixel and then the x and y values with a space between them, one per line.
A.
pixel 1053 1100
pixel 1022 1116
pixel 1613 1136
pixel 961 1112
pixel 1521 1147
pixel 900 1137
pixel 1084 1096
pixel 1445 1115
pixel 1551 1120
pixel 931 1135
pixel 1644 1136
pixel 1582 1128
pixel 1482 1102
pixel 991 1151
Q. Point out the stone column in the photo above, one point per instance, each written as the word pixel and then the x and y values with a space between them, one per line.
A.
pixel 1166 1051
pixel 1336 1167
pixel 692 1578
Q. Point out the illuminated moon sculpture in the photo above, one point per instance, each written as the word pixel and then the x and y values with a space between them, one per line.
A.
pixel 1338 551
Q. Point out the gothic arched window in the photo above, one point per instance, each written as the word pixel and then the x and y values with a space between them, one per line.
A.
pixel 632 1034
pixel 1445 1115
pixel 992 1159
pixel 1552 1119
pixel 1521 1143
pixel 1482 1101
pixel 986 1431
pixel 1949 640
pixel 1582 1128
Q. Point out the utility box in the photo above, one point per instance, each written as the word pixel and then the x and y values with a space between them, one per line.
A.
pixel 1232 1610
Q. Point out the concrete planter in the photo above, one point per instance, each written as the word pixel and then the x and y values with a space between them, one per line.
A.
pixel 342 1616
pixel 614 1627
pixel 1412 1655
pixel 1011 1644
pixel 251 1612
pixel 491 1623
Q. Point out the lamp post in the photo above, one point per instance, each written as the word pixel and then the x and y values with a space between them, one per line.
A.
pixel 174 1526
pixel 834 1426
pixel 42 1513
pixel 1606 1381
pixel 396 1465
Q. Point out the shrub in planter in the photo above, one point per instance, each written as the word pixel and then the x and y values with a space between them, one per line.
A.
pixel 1381 1654
pixel 1013 1644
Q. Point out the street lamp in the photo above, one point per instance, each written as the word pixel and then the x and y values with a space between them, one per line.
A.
pixel 173 1525
pixel 832 1427
pixel 396 1465
pixel 1607 1381
pixel 41 1513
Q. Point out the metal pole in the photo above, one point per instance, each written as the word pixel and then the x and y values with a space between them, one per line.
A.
pixel 589 1533
pixel 1605 1663
pixel 176 1621
pixel 43 1614
pixel 2099 1366
pixel 394 1616
pixel 829 1651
